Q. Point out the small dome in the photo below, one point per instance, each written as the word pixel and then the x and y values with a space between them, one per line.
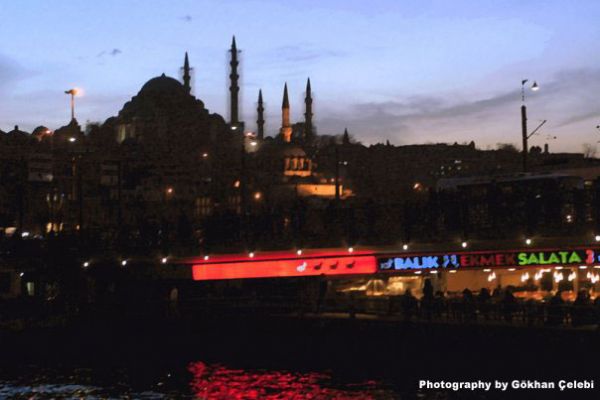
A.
pixel 17 132
pixel 293 151
pixel 41 130
pixel 163 84
pixel 272 148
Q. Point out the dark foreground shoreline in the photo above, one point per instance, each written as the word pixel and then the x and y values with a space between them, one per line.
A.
pixel 356 349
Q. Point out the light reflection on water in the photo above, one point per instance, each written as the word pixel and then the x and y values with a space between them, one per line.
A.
pixel 218 382
pixel 200 381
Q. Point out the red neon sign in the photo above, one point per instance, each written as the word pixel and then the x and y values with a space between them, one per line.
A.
pixel 268 267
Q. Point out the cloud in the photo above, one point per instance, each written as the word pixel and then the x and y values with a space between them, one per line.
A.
pixel 567 99
pixel 114 52
pixel 300 53
pixel 10 71
pixel 595 114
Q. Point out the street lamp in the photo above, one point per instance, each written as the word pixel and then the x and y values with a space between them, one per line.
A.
pixel 525 136
pixel 73 92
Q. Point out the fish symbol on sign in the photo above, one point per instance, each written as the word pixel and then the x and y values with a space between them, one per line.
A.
pixel 453 261
pixel 301 267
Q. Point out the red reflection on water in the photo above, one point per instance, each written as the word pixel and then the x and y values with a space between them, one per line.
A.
pixel 221 383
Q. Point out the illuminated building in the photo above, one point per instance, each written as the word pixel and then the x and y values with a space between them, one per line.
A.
pixel 533 273
pixel 115 175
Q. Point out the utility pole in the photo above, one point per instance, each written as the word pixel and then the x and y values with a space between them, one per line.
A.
pixel 80 193
pixel 524 134
pixel 243 200
pixel 119 184
pixel 337 175
pixel 73 93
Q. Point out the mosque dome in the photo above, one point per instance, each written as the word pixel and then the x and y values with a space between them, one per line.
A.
pixel 40 132
pixel 164 113
pixel 278 149
pixel 17 132
pixel 293 151
pixel 163 84
pixel 17 136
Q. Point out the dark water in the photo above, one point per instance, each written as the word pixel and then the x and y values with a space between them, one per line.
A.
pixel 287 359
pixel 198 380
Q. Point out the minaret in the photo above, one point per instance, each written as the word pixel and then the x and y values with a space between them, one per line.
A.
pixel 346 137
pixel 260 122
pixel 308 125
pixel 286 128
pixel 186 74
pixel 234 88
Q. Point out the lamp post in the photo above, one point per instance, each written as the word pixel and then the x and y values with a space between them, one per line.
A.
pixel 525 135
pixel 72 92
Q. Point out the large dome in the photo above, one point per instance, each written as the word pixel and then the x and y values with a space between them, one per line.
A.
pixel 163 84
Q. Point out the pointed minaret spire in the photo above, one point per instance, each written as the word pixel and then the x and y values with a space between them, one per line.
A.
pixel 260 122
pixel 186 74
pixel 308 125
pixel 286 128
pixel 346 137
pixel 286 102
pixel 234 88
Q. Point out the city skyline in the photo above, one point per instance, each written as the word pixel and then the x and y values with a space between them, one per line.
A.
pixel 405 73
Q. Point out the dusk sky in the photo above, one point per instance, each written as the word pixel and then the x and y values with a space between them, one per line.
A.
pixel 405 71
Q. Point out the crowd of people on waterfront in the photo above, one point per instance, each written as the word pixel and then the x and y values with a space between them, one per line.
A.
pixel 501 304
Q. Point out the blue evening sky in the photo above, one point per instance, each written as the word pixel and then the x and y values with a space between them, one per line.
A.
pixel 405 71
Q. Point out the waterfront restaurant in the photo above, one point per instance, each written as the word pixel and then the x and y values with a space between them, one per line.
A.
pixel 532 273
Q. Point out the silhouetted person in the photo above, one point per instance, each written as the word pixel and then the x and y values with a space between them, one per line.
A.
pixel 427 300
pixel 509 304
pixel 394 302
pixel 497 293
pixel 173 302
pixel 597 310
pixel 323 284
pixel 468 305
pixel 352 304
pixel 556 309
pixel 581 311
pixel 483 302
pixel 439 304
pixel 409 305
